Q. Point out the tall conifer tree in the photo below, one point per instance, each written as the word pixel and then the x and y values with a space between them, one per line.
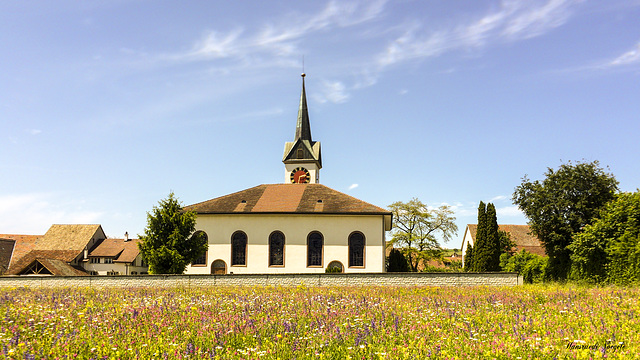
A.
pixel 487 249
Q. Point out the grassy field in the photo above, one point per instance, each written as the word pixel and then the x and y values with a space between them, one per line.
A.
pixel 528 322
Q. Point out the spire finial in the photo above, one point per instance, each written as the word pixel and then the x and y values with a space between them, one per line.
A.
pixel 303 130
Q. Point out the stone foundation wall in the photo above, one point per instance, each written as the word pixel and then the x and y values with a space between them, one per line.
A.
pixel 367 279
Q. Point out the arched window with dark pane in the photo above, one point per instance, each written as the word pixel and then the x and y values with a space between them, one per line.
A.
pixel 356 249
pixel 314 249
pixel 276 249
pixel 239 249
pixel 202 259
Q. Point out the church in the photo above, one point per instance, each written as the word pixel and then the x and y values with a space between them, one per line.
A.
pixel 299 226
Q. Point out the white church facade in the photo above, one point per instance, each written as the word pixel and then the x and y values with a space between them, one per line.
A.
pixel 300 226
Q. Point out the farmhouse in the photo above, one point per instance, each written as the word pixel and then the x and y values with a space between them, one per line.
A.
pixel 520 235
pixel 300 226
pixel 70 250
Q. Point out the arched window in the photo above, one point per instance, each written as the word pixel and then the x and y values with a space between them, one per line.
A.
pixel 314 249
pixel 219 267
pixel 276 249
pixel 356 249
pixel 239 249
pixel 202 259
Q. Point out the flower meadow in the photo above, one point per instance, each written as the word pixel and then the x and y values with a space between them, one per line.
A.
pixel 527 322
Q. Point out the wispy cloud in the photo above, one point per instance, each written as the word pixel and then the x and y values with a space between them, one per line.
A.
pixel 497 198
pixel 333 91
pixel 511 21
pixel 34 131
pixel 281 38
pixel 628 58
pixel 509 211
pixel 353 186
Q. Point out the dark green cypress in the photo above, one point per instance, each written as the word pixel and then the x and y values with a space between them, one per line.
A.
pixel 469 263
pixel 493 239
pixel 480 253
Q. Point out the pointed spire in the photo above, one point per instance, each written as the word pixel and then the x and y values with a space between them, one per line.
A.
pixel 303 129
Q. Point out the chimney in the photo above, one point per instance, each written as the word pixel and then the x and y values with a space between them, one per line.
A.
pixel 126 236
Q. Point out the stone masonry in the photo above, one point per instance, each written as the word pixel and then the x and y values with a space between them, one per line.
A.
pixel 366 279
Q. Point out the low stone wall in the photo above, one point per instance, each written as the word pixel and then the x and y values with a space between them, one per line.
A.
pixel 365 279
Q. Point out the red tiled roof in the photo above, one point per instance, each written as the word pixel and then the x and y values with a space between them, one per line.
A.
pixel 66 256
pixel 24 244
pixel 67 237
pixel 120 250
pixel 61 268
pixel 520 235
pixel 287 198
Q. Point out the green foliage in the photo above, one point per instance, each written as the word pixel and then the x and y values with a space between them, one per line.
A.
pixel 416 229
pixel 561 205
pixel 609 249
pixel 169 243
pixel 333 269
pixel 532 267
pixel 396 262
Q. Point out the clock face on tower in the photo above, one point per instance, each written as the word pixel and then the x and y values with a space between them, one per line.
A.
pixel 300 175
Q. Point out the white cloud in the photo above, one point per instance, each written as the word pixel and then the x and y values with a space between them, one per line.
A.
pixel 275 40
pixel 497 198
pixel 513 20
pixel 35 213
pixel 34 131
pixel 509 211
pixel 333 91
pixel 353 186
pixel 630 57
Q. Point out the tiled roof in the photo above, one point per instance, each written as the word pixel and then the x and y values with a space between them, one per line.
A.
pixel 287 198
pixel 61 268
pixel 520 235
pixel 24 244
pixel 120 250
pixel 62 255
pixel 67 237
pixel 6 249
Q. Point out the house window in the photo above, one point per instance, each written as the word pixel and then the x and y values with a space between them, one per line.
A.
pixel 314 249
pixel 113 273
pixel 356 249
pixel 276 249
pixel 202 259
pixel 219 267
pixel 108 260
pixel 94 260
pixel 300 154
pixel 239 249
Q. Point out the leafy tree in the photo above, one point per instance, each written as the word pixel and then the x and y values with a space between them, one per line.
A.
pixel 561 205
pixel 609 249
pixel 396 262
pixel 532 267
pixel 169 243
pixel 415 228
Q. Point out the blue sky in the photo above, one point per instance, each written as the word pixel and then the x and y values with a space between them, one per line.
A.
pixel 107 106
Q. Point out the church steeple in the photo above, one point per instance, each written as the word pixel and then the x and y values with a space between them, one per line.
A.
pixel 302 158
pixel 303 129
